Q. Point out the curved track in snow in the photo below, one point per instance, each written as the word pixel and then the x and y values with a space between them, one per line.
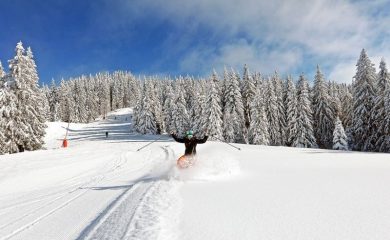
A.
pixel 110 192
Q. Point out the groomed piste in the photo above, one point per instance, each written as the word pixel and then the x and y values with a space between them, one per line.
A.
pixel 101 187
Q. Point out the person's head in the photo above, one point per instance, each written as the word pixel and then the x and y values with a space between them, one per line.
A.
pixel 189 134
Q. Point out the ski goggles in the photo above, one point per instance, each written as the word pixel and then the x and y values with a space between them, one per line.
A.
pixel 189 133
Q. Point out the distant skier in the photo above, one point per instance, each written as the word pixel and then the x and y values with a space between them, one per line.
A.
pixel 190 143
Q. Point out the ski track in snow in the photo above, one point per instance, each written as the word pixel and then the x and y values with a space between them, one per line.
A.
pixel 143 209
pixel 140 190
pixel 135 214
pixel 76 191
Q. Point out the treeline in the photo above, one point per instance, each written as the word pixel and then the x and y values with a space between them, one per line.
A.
pixel 86 98
pixel 242 108
pixel 269 110
pixel 248 108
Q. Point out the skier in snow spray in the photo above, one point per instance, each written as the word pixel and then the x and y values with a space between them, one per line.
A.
pixel 190 143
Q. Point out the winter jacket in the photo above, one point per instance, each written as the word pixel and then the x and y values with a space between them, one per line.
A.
pixel 190 143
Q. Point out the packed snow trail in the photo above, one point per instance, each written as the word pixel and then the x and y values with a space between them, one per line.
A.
pixel 98 188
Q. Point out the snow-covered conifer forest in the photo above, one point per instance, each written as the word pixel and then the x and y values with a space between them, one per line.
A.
pixel 243 108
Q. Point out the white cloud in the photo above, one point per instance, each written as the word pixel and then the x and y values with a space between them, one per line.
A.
pixel 272 34
pixel 343 72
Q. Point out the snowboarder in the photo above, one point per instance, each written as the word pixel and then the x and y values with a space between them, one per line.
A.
pixel 190 143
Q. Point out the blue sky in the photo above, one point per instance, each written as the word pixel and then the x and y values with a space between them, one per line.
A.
pixel 174 37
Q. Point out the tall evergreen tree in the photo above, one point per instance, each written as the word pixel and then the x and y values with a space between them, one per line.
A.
pixel 323 116
pixel 24 84
pixel 258 131
pixel 233 118
pixel 200 120
pixel 248 93
pixel 213 111
pixel 157 105
pixel 169 106
pixel 383 142
pixel 53 102
pixel 363 98
pixel 180 114
pixel 291 111
pixel 79 96
pixel 103 94
pixel 2 120
pixel 278 87
pixel 273 116
pixel 11 125
pixel 146 121
pixel 304 136
pixel 346 110
pixel 378 113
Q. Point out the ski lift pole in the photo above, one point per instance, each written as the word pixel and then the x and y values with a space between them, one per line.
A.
pixel 149 144
pixel 228 143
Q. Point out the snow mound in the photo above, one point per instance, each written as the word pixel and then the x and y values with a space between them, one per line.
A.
pixel 212 164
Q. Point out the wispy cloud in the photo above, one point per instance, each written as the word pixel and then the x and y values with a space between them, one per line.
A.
pixel 279 35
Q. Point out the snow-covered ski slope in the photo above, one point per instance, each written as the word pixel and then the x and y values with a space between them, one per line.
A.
pixel 102 188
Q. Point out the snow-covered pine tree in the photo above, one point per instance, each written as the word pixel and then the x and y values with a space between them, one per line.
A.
pixel 2 120
pixel 248 93
pixel 126 79
pixel 168 109
pixel 346 109
pixel 12 125
pixel 363 98
pixel 218 84
pixel 304 136
pixel 340 140
pixel 45 91
pixel 223 85
pixel 383 142
pixel 67 104
pixel 379 111
pixel 135 90
pixel 103 93
pixel 188 85
pixel 157 105
pixel 92 99
pixel 53 102
pixel 146 121
pixel 79 96
pixel 278 87
pixel 291 104
pixel 273 116
pixel 200 120
pixel 258 131
pixel 114 92
pixel 24 84
pixel 180 114
pixel 233 118
pixel 213 111
pixel 37 113
pixel 323 116
pixel 334 95
pixel 134 117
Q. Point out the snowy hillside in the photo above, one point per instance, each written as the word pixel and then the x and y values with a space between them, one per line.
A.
pixel 102 188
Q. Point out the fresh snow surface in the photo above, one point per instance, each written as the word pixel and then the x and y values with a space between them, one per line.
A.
pixel 102 188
